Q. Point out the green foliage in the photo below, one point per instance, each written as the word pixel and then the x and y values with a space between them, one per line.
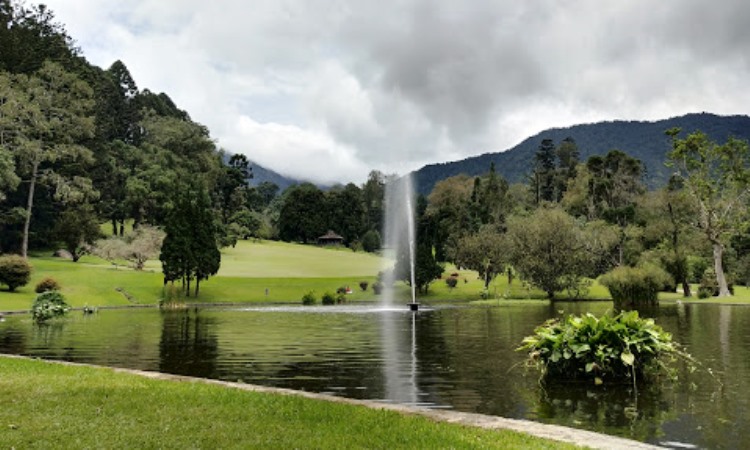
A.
pixel 15 271
pixel 709 287
pixel 309 298
pixel 549 250
pixel 371 241
pixel 49 305
pixel 484 252
pixel 363 285
pixel 642 140
pixel 47 284
pixel 327 299
pixel 340 298
pixel 717 178
pixel 631 287
pixel 606 349
pixel 377 287
pixel 77 228
pixel 451 282
pixel 190 249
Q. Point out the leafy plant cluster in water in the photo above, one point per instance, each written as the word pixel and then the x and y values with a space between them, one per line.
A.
pixel 610 348
pixel 49 305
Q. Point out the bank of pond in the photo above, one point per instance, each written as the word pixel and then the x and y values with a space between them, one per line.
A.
pixel 458 357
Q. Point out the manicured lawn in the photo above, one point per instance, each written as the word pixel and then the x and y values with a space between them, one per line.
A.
pixel 285 271
pixel 270 259
pixel 54 406
pixel 274 272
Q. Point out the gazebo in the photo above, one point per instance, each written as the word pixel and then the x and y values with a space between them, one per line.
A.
pixel 330 239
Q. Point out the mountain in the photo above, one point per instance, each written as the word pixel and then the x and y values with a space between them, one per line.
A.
pixel 261 174
pixel 643 140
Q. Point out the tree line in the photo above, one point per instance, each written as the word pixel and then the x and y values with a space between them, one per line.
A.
pixel 572 221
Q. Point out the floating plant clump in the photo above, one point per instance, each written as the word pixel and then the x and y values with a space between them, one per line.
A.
pixel 610 348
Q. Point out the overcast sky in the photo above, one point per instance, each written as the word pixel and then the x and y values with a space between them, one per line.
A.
pixel 328 90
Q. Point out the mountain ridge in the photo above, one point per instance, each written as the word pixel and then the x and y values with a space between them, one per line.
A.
pixel 645 140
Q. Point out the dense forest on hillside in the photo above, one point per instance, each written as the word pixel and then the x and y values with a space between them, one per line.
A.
pixel 643 140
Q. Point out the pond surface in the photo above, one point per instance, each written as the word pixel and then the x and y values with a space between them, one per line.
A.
pixel 461 358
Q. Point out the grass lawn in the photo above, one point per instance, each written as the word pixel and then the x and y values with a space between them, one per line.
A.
pixel 56 406
pixel 247 271
pixel 272 272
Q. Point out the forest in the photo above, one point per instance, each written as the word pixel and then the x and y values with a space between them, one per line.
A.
pixel 92 163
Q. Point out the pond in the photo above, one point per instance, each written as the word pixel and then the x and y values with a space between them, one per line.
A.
pixel 447 357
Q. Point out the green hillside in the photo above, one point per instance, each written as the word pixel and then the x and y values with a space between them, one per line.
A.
pixel 643 140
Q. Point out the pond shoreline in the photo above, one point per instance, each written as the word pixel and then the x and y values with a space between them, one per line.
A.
pixel 559 433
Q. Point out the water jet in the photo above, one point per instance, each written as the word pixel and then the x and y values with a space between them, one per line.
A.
pixel 399 237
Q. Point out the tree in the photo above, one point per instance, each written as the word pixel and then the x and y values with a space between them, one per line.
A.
pixel 190 249
pixel 303 214
pixel 483 252
pixel 346 212
pixel 373 197
pixel 30 36
pixel 717 179
pixel 137 247
pixel 543 177
pixel 548 250
pixel 50 122
pixel 77 228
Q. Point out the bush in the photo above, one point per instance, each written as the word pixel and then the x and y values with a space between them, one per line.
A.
pixel 697 266
pixel 377 287
pixel 601 349
pixel 371 241
pixel 15 271
pixel 709 287
pixel 47 284
pixel 451 282
pixel 341 298
pixel 328 299
pixel 631 287
pixel 309 298
pixel 48 305
pixel 363 285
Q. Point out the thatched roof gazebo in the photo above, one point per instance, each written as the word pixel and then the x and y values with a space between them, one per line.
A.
pixel 330 238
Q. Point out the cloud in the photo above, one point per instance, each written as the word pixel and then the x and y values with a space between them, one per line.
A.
pixel 329 89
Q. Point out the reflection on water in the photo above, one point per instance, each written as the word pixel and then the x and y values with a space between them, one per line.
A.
pixel 462 358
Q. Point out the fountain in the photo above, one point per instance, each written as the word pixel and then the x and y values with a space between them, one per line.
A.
pixel 399 235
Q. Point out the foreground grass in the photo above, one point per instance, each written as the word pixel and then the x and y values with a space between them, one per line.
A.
pixel 54 406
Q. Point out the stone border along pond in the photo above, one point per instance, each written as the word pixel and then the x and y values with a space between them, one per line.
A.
pixel 574 436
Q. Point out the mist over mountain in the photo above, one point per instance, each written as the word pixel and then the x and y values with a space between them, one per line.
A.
pixel 643 140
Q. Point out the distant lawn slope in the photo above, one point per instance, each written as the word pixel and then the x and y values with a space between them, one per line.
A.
pixel 251 272
pixel 269 259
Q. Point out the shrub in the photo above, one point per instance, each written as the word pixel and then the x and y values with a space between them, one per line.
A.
pixel 377 287
pixel 363 285
pixel 709 287
pixel 635 286
pixel 47 284
pixel 451 282
pixel 601 349
pixel 15 271
pixel 309 298
pixel 371 241
pixel 48 305
pixel 341 298
pixel 328 299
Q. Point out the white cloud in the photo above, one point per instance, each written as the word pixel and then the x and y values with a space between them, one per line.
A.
pixel 329 89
